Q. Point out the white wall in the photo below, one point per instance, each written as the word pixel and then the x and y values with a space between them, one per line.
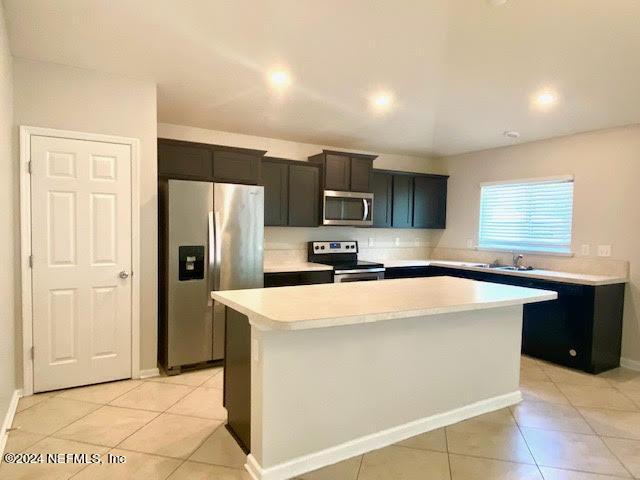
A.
pixel 606 166
pixel 57 96
pixel 8 223
pixel 279 238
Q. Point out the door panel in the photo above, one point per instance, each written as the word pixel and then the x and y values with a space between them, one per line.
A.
pixel 236 167
pixel 81 241
pixel 185 160
pixel 382 192
pixel 402 201
pixel 430 202
pixel 337 169
pixel 239 236
pixel 189 304
pixel 275 178
pixel 361 174
pixel 304 196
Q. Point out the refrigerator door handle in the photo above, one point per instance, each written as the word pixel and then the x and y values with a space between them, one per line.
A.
pixel 217 248
pixel 212 256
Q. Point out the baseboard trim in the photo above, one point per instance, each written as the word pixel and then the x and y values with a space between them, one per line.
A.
pixel 8 419
pixel 149 372
pixel 322 458
pixel 630 364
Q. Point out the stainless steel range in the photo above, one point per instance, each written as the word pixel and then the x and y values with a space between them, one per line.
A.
pixel 343 257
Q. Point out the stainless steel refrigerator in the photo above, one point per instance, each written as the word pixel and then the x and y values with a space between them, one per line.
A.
pixel 211 238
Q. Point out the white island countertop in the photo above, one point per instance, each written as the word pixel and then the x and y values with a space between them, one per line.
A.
pixel 329 305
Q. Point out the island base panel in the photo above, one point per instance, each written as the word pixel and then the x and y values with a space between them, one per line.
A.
pixel 322 395
pixel 237 377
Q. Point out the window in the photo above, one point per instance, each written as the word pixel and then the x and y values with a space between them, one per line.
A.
pixel 527 215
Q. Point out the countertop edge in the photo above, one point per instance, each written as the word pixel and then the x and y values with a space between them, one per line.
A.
pixel 540 276
pixel 560 277
pixel 268 323
pixel 296 267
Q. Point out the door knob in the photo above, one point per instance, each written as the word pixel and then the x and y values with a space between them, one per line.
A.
pixel 123 274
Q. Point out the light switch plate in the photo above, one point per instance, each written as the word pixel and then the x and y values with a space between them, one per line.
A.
pixel 585 250
pixel 372 241
pixel 397 241
pixel 470 243
pixel 604 250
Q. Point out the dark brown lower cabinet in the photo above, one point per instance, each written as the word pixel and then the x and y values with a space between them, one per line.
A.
pixel 287 279
pixel 582 329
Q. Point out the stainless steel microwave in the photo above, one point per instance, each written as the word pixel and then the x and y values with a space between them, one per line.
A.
pixel 347 208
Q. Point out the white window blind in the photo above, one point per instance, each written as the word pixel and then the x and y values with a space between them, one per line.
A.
pixel 531 216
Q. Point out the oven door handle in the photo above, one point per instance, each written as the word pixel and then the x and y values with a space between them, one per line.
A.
pixel 368 270
pixel 366 209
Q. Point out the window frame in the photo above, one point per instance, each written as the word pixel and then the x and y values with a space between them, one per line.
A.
pixel 551 179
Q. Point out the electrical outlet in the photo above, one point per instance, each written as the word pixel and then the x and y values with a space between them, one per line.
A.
pixel 470 243
pixel 397 241
pixel 585 250
pixel 372 241
pixel 604 250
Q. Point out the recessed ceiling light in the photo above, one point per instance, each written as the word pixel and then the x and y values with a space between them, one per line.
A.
pixel 545 99
pixel 382 101
pixel 279 78
pixel 511 134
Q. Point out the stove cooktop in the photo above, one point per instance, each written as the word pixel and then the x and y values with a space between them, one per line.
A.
pixel 352 264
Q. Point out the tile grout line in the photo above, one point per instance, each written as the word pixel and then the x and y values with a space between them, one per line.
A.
pixel 446 447
pixel 600 437
pixel 360 466
pixel 524 439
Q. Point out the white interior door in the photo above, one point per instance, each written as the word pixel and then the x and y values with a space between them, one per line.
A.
pixel 81 246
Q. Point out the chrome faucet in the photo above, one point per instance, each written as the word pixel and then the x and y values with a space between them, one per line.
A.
pixel 517 259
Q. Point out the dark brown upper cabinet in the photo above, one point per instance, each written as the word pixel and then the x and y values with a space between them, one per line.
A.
pixel 382 184
pixel 275 178
pixel 361 171
pixel 345 172
pixel 304 195
pixel 430 202
pixel 402 216
pixel 291 193
pixel 201 161
pixel 236 167
pixel 184 160
pixel 337 172
pixel 409 200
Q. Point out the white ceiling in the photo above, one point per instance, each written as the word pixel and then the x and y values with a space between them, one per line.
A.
pixel 462 72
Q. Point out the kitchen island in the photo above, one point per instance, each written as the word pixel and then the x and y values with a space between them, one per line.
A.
pixel 319 373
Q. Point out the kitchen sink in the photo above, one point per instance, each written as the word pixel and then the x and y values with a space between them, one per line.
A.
pixel 516 269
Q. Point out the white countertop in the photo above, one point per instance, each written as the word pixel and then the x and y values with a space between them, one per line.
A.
pixel 281 267
pixel 566 277
pixel 331 304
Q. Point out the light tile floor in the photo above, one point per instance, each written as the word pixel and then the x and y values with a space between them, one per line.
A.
pixel 570 426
